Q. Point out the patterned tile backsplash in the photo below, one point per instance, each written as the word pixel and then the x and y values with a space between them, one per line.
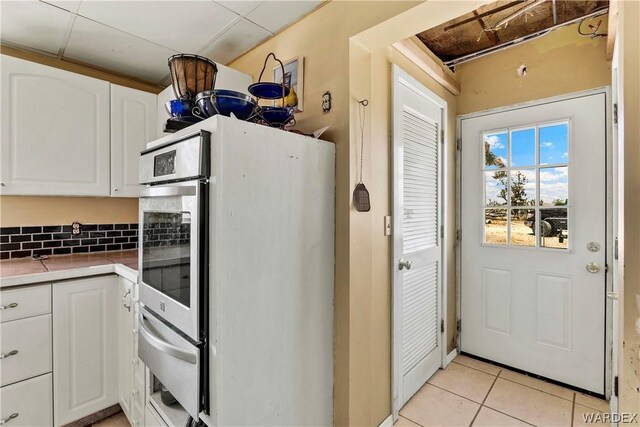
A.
pixel 22 242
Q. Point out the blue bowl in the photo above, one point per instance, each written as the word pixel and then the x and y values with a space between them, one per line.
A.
pixel 226 102
pixel 180 108
pixel 277 116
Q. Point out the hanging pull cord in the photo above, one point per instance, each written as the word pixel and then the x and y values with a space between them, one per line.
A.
pixel 362 116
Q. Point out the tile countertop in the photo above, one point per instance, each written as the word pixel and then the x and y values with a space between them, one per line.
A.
pixel 26 271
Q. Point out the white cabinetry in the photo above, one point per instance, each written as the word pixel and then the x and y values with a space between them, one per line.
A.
pixel 133 125
pixel 27 403
pixel 85 347
pixel 25 365
pixel 130 368
pixel 54 131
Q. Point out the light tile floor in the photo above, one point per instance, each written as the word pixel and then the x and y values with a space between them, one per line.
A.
pixel 116 420
pixel 473 393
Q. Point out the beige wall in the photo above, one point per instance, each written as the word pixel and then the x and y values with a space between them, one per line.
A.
pixel 560 62
pixel 29 210
pixel 629 132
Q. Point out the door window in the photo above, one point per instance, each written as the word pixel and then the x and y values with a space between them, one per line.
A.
pixel 526 186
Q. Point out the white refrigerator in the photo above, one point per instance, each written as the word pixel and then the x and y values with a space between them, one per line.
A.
pixel 270 277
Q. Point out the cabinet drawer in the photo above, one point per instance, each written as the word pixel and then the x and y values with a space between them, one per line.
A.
pixel 25 302
pixel 26 346
pixel 31 400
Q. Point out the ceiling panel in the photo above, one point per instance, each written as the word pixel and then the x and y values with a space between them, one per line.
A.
pixel 34 25
pixel 273 15
pixel 108 48
pixel 70 5
pixel 241 7
pixel 184 26
pixel 241 37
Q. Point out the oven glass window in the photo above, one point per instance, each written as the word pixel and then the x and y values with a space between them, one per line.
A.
pixel 166 261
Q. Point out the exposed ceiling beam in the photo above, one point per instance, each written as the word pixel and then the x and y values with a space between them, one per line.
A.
pixel 491 35
pixel 415 51
pixel 483 14
pixel 612 28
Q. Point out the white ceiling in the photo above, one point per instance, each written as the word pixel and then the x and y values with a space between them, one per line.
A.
pixel 136 37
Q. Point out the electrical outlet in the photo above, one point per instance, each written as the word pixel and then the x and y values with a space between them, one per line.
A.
pixel 76 228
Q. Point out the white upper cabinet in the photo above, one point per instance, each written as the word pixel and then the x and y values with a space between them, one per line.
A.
pixel 133 125
pixel 54 131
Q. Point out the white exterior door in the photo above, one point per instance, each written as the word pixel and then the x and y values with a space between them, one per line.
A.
pixel 533 215
pixel 417 270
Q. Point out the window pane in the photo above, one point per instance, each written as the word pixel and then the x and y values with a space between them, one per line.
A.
pixel 495 150
pixel 495 226
pixel 554 228
pixel 554 144
pixel 523 148
pixel 522 226
pixel 554 186
pixel 523 187
pixel 495 184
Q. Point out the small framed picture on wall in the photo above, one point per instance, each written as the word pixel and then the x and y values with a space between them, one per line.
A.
pixel 294 80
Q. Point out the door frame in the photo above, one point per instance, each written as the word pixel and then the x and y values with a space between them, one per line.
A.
pixel 609 244
pixel 397 73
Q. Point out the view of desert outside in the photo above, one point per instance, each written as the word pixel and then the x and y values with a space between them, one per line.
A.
pixel 524 169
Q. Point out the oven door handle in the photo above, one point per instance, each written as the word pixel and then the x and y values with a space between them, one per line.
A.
pixel 164 346
pixel 169 191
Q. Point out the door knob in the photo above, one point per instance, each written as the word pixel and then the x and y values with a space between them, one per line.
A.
pixel 404 264
pixel 593 267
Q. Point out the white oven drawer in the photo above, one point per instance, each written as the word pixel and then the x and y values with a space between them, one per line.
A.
pixel 172 359
pixel 25 346
pixel 25 302
pixel 27 403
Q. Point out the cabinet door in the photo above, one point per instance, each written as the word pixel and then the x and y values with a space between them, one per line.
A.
pixel 133 125
pixel 54 131
pixel 85 347
pixel 125 350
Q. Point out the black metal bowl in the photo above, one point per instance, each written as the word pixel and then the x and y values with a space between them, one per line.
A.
pixel 226 102
pixel 277 116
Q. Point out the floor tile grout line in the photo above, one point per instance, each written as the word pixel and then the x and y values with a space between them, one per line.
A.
pixel 508 415
pixel 516 382
pixel 573 409
pixel 451 392
pixel 537 389
pixel 476 369
pixel 485 398
pixel 407 418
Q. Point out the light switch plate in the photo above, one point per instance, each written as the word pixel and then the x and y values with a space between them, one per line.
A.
pixel 387 225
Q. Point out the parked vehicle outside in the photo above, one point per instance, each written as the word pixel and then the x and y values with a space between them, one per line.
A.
pixel 552 222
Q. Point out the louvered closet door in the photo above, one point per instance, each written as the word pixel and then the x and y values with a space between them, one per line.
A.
pixel 417 133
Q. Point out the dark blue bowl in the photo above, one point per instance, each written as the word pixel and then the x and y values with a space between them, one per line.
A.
pixel 277 116
pixel 226 102
pixel 180 108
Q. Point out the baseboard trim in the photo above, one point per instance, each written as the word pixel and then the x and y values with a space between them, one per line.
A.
pixel 452 355
pixel 388 422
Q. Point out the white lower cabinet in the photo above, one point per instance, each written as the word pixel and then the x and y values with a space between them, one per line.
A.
pixel 85 347
pixel 25 346
pixel 27 403
pixel 131 389
pixel 88 336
